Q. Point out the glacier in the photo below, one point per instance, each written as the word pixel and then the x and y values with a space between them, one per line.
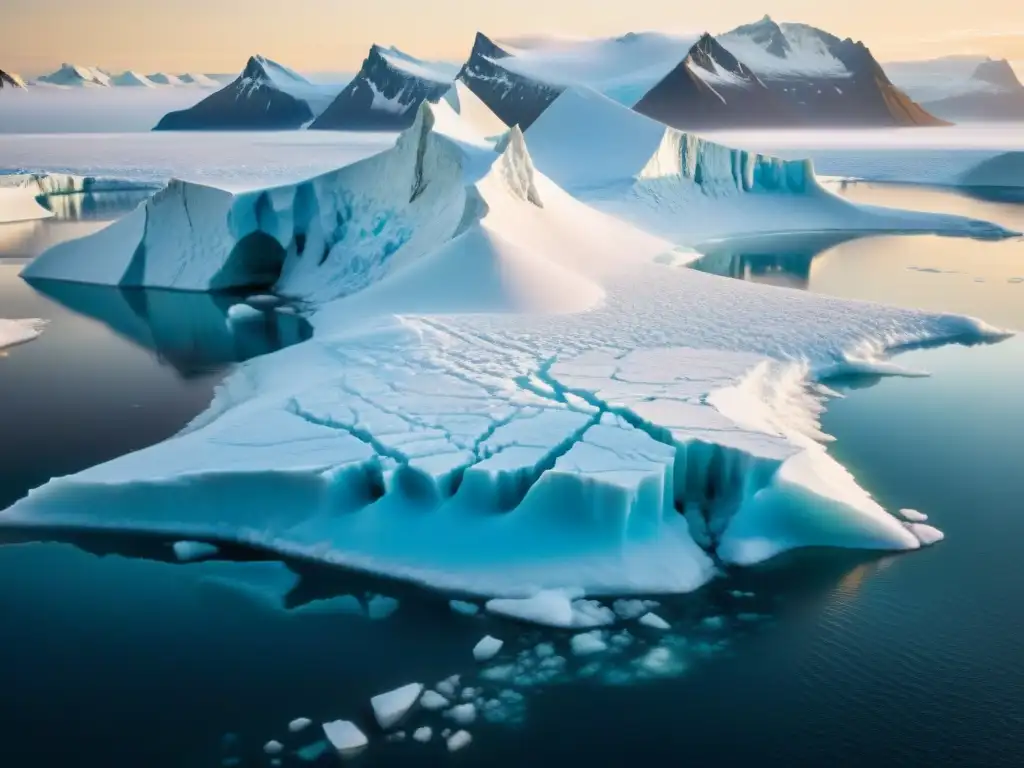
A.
pixel 509 388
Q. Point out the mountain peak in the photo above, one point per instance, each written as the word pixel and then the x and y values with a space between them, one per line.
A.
pixel 998 72
pixel 484 46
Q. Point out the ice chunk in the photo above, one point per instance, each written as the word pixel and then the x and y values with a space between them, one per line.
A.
pixel 926 534
pixel 551 608
pixel 389 708
pixel 458 740
pixel 463 714
pixel 380 607
pixel 466 609
pixel 654 621
pixel 345 736
pixel 588 643
pixel 660 661
pixel 449 686
pixel 632 609
pixel 14 332
pixel 590 613
pixel 241 313
pixel 397 736
pixel 713 622
pixel 433 700
pixel 189 551
pixel 913 516
pixel 423 734
pixel 273 747
pixel 299 724
pixel 487 648
pixel 499 673
pixel 544 650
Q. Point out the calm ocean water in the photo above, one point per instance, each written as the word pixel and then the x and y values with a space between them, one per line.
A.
pixel 837 658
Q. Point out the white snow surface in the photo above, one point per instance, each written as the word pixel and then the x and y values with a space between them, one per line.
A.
pixel 807 56
pixel 438 71
pixel 76 76
pixel 18 203
pixel 13 332
pixel 529 433
pixel 623 68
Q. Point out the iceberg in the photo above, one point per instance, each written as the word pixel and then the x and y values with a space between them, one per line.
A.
pixel 509 394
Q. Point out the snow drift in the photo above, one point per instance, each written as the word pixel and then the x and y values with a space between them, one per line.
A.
pixel 506 390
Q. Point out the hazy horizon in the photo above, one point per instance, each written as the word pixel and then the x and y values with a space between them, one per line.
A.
pixel 332 36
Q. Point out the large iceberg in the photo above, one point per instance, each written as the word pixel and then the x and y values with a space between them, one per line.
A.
pixel 507 390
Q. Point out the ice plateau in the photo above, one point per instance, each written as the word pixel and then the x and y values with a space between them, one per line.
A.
pixel 508 390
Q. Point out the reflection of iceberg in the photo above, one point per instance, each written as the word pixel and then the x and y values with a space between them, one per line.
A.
pixel 772 259
pixel 83 206
pixel 187 330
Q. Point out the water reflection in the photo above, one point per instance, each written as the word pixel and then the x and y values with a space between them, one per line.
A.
pixel 94 206
pixel 189 331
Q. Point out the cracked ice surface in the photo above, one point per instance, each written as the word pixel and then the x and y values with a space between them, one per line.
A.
pixel 575 443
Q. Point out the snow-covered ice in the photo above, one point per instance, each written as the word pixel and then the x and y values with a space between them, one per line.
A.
pixel 508 393
pixel 654 621
pixel 273 747
pixel 188 551
pixel 432 700
pixel 389 708
pixel 345 736
pixel 299 724
pixel 20 331
pixel 487 648
pixel 459 740
pixel 423 734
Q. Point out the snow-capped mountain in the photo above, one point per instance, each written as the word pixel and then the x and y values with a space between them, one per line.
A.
pixel 132 79
pixel 76 76
pixel 820 79
pixel 9 79
pixel 266 96
pixel 962 87
pixel 198 79
pixel 761 74
pixel 386 93
pixel 162 78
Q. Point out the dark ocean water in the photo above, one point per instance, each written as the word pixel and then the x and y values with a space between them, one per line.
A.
pixel 838 658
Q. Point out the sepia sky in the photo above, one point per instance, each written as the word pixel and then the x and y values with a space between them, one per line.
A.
pixel 334 35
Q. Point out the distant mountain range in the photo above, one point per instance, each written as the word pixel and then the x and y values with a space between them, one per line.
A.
pixel 78 76
pixel 763 74
pixel 266 96
pixel 962 88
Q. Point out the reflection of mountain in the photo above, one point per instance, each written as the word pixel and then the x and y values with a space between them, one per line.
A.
pixel 187 330
pixel 771 259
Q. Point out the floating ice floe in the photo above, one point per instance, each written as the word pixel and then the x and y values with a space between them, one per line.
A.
pixel 913 516
pixel 14 332
pixel 654 621
pixel 459 740
pixel 588 643
pixel 423 734
pixel 466 609
pixel 487 648
pixel 389 708
pixel 506 394
pixel 432 700
pixel 299 724
pixel 345 736
pixel 273 747
pixel 463 714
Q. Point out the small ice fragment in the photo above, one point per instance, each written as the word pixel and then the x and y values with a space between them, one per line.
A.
pixel 590 613
pixel 446 733
pixel 432 700
pixel 423 735
pixel 240 313
pixel 654 621
pixel 345 736
pixel 396 736
pixel 622 639
pixel 469 693
pixel 189 551
pixel 463 714
pixel 466 609
pixel 551 607
pixel 658 661
pixel 588 643
pixel 450 686
pixel 913 516
pixel 926 534
pixel 632 609
pixel 458 740
pixel 380 607
pixel 392 706
pixel 544 650
pixel 273 747
pixel 487 648
pixel 500 673
pixel 713 622
pixel 299 724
